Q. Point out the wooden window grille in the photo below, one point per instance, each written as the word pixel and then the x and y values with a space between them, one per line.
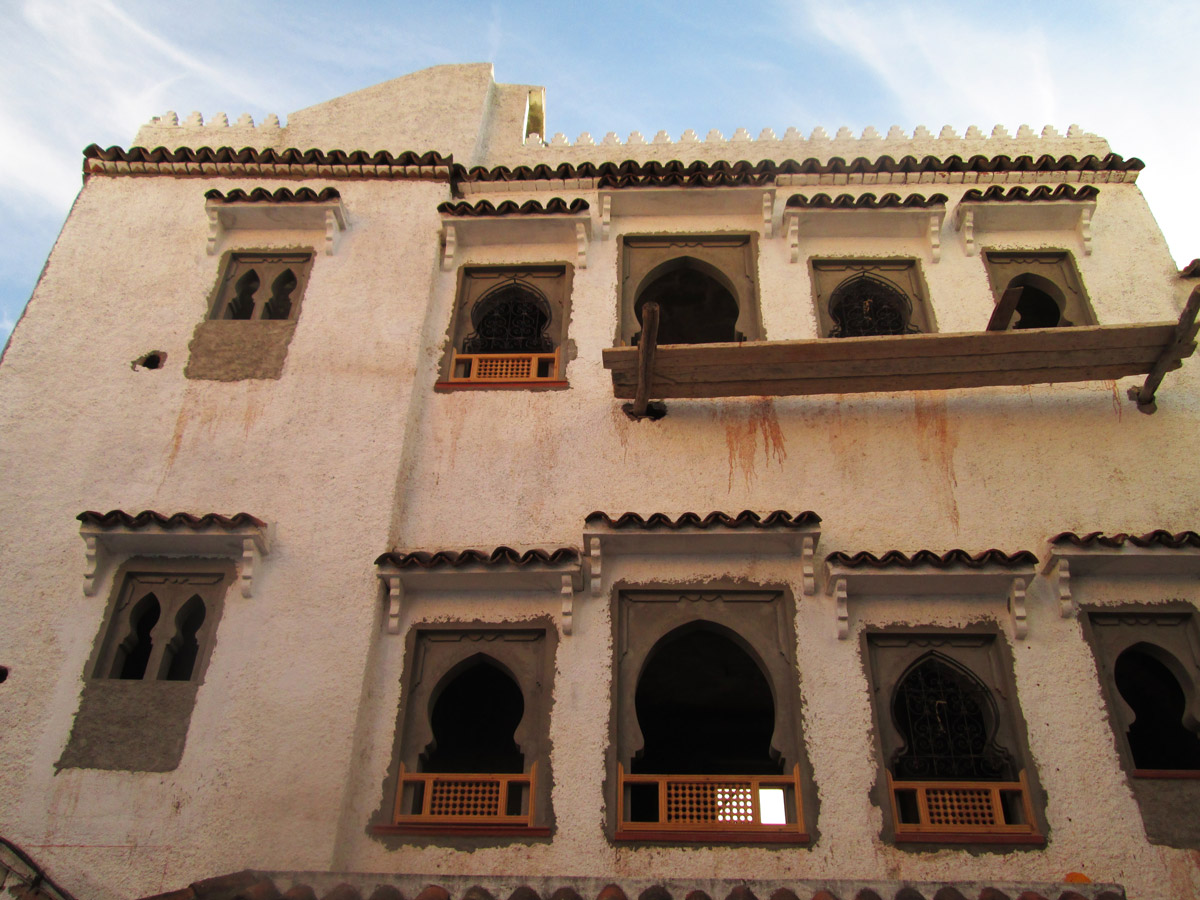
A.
pixel 429 798
pixel 503 367
pixel 962 808
pixel 709 804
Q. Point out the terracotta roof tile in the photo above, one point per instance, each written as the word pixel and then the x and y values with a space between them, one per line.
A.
pixel 743 172
pixel 251 884
pixel 501 556
pixel 1191 270
pixel 949 559
pixel 1158 538
pixel 1019 194
pixel 555 206
pixel 865 201
pixel 745 519
pixel 118 518
pixel 281 195
pixel 252 161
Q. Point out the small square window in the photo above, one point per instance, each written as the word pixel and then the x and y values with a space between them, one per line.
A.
pixel 1051 291
pixel 509 328
pixel 251 318
pixel 149 659
pixel 862 298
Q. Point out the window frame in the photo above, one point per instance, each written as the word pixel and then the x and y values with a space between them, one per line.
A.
pixel 827 275
pixel 761 619
pixel 1054 262
pixel 993 666
pixel 552 281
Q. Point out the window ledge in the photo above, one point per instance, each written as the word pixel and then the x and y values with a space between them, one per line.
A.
pixel 540 384
pixel 955 837
pixel 1183 774
pixel 535 831
pixel 149 533
pixel 710 837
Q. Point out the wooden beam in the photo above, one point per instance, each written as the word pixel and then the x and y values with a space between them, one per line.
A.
pixel 1181 345
pixel 647 347
pixel 1005 310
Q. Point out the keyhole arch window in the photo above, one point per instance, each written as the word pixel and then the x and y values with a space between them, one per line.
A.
pixel 511 318
pixel 867 305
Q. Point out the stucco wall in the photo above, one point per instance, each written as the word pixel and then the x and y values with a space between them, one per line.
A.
pixel 350 452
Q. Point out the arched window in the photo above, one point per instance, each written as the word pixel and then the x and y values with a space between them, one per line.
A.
pixel 868 304
pixel 241 304
pixel 1158 737
pixel 510 319
pixel 133 653
pixel 1049 291
pixel 179 660
pixel 473 721
pixel 280 304
pixel 707 731
pixel 947 719
pixel 704 707
pixel 694 306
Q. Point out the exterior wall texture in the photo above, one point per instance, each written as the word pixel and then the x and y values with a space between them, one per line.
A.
pixel 351 452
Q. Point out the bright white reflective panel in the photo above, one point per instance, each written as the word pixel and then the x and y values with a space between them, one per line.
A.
pixel 770 806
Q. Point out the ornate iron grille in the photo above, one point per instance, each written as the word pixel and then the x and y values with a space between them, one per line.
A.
pixel 947 718
pixel 510 319
pixel 867 305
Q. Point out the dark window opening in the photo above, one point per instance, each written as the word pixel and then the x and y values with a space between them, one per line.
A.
pixel 705 708
pixel 180 657
pixel 241 304
pixel 510 319
pixel 947 719
pixel 3 674
pixel 134 652
pixel 473 722
pixel 694 308
pixel 1157 738
pixel 280 304
pixel 868 305
pixel 1037 309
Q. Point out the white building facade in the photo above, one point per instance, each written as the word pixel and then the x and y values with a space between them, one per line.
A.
pixel 625 517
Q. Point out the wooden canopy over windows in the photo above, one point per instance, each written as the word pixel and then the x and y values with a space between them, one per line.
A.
pixel 904 362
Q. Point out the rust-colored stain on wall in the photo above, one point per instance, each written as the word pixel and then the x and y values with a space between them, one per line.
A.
pixel 742 430
pixel 936 443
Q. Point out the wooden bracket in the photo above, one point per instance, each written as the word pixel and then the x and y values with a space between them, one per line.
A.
pixel 967 227
pixel 808 571
pixel 395 588
pixel 605 217
pixel 768 210
pixel 567 595
pixel 639 408
pixel 214 230
pixel 842 607
pixel 1016 608
pixel 449 245
pixel 1180 346
pixel 1085 229
pixel 793 239
pixel 581 244
pixel 89 572
pixel 594 561
pixel 1005 310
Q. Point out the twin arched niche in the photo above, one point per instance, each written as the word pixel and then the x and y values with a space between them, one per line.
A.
pixel 1163 734
pixel 947 719
pixel 148 645
pixel 511 318
pixel 697 303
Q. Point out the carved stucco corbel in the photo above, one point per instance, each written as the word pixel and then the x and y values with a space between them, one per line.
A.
pixel 808 566
pixel 837 588
pixel 793 238
pixel 449 246
pixel 581 245
pixel 90 566
pixel 567 595
pixel 605 217
pixel 768 212
pixel 968 232
pixel 395 598
pixel 1016 609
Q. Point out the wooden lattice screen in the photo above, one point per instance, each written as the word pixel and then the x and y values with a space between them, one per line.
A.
pixel 962 807
pixel 466 368
pixel 465 799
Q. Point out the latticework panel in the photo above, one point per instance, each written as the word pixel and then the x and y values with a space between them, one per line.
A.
pixel 698 802
pixel 503 368
pixel 960 806
pixel 464 798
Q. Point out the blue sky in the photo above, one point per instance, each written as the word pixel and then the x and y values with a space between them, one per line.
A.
pixel 74 72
